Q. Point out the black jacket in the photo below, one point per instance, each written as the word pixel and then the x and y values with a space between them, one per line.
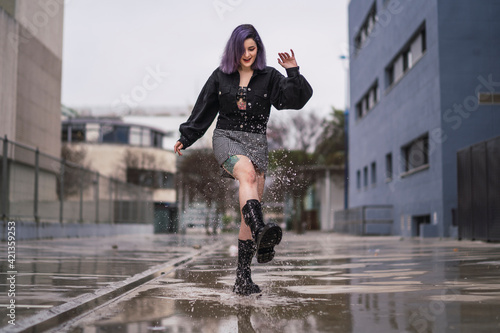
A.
pixel 266 87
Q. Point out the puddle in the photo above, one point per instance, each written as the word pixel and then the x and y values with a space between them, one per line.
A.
pixel 357 285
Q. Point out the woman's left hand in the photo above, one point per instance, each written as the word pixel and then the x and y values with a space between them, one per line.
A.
pixel 286 60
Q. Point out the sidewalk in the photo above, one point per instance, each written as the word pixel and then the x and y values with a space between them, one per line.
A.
pixel 318 282
pixel 72 271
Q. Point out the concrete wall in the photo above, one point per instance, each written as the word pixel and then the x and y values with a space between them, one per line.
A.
pixel 30 68
pixel 330 191
pixel 38 116
pixel 43 19
pixel 8 74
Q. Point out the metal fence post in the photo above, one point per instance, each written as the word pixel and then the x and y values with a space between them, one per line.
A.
pixel 110 190
pixel 5 194
pixel 139 207
pixel 97 198
pixel 129 203
pixel 35 196
pixel 61 191
pixel 120 206
pixel 81 195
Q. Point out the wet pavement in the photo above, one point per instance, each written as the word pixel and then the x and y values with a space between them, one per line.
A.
pixel 318 282
pixel 52 273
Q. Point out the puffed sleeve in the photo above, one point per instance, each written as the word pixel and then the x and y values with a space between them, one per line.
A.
pixel 290 92
pixel 204 112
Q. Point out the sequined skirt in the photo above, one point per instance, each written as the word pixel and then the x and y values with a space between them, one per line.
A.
pixel 227 143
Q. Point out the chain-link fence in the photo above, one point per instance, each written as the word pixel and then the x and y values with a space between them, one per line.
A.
pixel 38 187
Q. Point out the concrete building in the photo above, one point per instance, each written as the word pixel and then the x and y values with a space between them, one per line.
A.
pixel 424 83
pixel 129 153
pixel 31 35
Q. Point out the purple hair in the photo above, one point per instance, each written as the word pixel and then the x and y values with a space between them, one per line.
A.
pixel 234 49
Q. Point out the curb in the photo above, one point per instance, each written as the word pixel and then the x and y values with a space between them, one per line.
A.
pixel 77 306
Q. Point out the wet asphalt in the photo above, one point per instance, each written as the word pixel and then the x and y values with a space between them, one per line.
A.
pixel 318 282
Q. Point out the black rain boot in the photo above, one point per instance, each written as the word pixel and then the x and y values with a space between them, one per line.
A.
pixel 244 285
pixel 266 236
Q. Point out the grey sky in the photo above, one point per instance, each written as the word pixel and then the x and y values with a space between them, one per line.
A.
pixel 111 47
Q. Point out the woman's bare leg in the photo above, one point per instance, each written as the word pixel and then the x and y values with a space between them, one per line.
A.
pixel 251 186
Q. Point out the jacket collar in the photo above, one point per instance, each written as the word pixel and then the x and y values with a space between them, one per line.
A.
pixel 256 71
pixel 261 71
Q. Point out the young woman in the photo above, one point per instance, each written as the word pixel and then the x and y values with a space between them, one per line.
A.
pixel 241 90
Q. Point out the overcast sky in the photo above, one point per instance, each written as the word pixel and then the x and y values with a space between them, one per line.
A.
pixel 161 52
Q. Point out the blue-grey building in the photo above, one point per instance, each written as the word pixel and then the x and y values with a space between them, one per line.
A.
pixel 424 83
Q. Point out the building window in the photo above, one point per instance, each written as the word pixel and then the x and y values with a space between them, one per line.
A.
pixel 358 179
pixel 92 132
pixel 112 133
pixel 115 134
pixel 136 136
pixel 156 139
pixel 365 176
pixel 374 173
pixel 167 180
pixel 489 98
pixel 407 57
pixel 73 133
pixel 416 154
pixel 368 101
pixel 366 28
pixel 388 167
pixel 156 179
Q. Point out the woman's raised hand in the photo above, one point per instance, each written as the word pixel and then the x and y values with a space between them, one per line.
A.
pixel 177 148
pixel 286 60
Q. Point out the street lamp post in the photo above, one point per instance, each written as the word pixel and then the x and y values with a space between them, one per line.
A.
pixel 346 134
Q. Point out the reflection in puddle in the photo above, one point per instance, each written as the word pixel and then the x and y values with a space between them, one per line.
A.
pixel 329 289
pixel 343 286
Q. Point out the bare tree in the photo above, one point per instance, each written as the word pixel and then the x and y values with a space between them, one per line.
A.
pixel 277 133
pixel 299 131
pixel 140 160
pixel 199 176
pixel 292 161
pixel 75 178
pixel 293 172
